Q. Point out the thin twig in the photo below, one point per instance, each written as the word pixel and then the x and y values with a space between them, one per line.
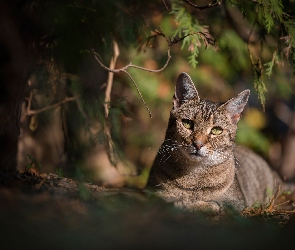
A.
pixel 67 99
pixel 205 36
pixel 30 101
pixel 83 7
pixel 24 114
pixel 170 41
pixel 286 51
pixel 110 146
pixel 257 67
pixel 166 6
pixel 131 65
pixel 210 5
pixel 107 100
pixel 281 204
pixel 30 112
pixel 288 16
pixel 110 79
pixel 138 91
pixel 250 34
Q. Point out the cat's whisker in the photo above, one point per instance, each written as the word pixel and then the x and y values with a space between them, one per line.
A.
pixel 167 158
pixel 198 162
pixel 237 161
pixel 163 156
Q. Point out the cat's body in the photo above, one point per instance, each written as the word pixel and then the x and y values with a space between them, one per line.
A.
pixel 198 166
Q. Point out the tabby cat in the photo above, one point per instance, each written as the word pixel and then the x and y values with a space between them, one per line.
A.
pixel 198 166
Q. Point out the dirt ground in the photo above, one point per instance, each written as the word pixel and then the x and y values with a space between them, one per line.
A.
pixel 49 212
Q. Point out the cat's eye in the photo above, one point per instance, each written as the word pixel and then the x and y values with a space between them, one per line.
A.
pixel 189 124
pixel 216 130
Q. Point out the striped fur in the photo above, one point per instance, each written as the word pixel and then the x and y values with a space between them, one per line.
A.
pixel 199 170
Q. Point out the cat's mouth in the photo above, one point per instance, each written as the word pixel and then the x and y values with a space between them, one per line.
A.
pixel 200 152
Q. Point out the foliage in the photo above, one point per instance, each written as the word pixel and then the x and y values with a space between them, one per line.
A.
pixel 270 11
pixel 269 66
pixel 290 41
pixel 63 32
pixel 258 79
pixel 33 163
pixel 263 14
pixel 189 28
pixel 228 44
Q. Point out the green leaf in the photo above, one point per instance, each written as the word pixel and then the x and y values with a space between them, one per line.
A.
pixel 187 27
pixel 290 41
pixel 30 157
pixel 259 84
pixel 270 11
pixel 269 66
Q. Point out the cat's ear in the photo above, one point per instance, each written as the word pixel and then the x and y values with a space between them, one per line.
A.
pixel 184 90
pixel 236 105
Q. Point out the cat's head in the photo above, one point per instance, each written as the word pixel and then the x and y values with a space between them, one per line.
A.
pixel 206 129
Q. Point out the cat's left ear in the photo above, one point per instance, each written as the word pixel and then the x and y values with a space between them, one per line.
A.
pixel 184 90
pixel 236 105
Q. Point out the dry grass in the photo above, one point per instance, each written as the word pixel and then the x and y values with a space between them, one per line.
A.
pixel 281 206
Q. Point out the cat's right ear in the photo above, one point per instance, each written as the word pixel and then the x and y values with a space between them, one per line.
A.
pixel 236 105
pixel 184 90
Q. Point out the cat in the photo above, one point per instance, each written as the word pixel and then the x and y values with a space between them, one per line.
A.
pixel 198 166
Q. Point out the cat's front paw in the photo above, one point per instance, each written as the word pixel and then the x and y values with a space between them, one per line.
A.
pixel 209 207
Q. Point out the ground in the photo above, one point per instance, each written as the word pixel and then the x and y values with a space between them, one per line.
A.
pixel 49 212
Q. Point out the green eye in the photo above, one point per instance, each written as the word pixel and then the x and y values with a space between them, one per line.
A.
pixel 189 124
pixel 216 131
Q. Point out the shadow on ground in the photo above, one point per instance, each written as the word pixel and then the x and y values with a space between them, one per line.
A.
pixel 48 212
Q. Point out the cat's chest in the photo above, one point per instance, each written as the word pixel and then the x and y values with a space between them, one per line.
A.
pixel 199 182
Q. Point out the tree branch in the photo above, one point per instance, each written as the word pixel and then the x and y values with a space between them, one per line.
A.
pixel 210 5
pixel 288 16
pixel 138 91
pixel 108 90
pixel 67 99
pixel 131 65
pixel 170 41
pixel 262 4
pixel 30 112
pixel 111 70
pixel 287 51
pixel 166 6
pixel 257 69
pixel 109 142
pixel 205 36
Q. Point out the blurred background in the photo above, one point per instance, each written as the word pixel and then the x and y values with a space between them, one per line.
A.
pixel 226 48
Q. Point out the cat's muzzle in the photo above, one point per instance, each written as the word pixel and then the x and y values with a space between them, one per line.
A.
pixel 202 151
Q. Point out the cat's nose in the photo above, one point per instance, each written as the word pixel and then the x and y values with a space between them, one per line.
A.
pixel 198 144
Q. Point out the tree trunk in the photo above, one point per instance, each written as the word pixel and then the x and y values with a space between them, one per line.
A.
pixel 13 74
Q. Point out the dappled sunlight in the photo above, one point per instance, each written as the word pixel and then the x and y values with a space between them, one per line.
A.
pixel 86 91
